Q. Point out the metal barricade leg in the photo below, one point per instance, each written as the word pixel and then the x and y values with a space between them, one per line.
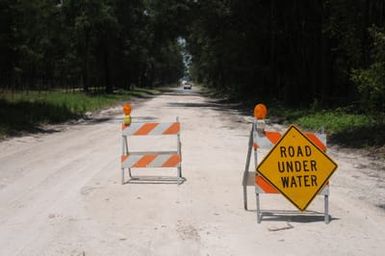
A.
pixel 245 181
pixel 244 184
pixel 259 215
pixel 246 171
pixel 124 153
pixel 179 169
pixel 129 173
pixel 245 196
pixel 179 149
pixel 327 220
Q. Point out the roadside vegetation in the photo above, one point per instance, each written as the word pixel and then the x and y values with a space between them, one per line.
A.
pixel 344 127
pixel 27 111
pixel 347 126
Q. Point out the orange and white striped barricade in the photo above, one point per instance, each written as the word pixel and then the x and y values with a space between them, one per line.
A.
pixel 260 139
pixel 151 159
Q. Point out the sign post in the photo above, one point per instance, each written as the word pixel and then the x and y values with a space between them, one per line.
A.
pixel 297 168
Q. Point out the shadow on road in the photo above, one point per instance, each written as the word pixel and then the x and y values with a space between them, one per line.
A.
pixel 293 216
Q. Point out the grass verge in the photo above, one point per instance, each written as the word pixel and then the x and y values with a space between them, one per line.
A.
pixel 343 127
pixel 22 112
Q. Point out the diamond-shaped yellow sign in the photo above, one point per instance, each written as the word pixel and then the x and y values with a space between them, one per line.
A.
pixel 297 168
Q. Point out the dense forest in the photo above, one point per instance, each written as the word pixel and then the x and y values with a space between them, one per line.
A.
pixel 299 52
pixel 87 43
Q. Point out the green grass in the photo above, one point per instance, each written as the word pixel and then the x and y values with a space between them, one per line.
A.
pixel 342 126
pixel 334 121
pixel 352 130
pixel 26 111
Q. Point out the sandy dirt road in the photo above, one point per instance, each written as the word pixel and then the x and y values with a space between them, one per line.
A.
pixel 60 194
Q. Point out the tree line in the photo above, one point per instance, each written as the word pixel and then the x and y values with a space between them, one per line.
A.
pixel 299 52
pixel 87 43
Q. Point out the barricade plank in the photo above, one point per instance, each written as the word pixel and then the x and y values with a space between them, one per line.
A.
pixel 143 129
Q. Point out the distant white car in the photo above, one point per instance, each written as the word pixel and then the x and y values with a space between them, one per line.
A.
pixel 187 85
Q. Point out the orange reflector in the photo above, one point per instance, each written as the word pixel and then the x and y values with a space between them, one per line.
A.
pixel 127 108
pixel 260 111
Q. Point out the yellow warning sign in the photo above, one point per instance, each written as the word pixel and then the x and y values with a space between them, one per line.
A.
pixel 297 168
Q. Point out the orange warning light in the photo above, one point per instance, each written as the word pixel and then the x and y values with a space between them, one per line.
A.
pixel 260 111
pixel 127 108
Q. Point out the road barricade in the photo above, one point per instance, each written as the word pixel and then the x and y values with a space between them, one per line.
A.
pixel 151 159
pixel 261 139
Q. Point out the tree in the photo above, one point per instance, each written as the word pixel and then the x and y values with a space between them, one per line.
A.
pixel 370 81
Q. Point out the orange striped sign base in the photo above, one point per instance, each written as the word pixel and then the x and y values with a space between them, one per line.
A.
pixel 152 159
